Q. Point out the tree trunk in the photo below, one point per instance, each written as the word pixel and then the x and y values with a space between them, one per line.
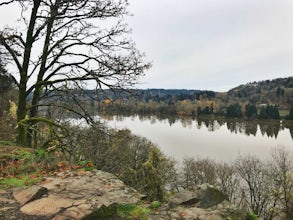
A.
pixel 22 98
pixel 21 113
pixel 39 88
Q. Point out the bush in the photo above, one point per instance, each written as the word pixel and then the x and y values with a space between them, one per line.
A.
pixel 133 159
pixel 252 216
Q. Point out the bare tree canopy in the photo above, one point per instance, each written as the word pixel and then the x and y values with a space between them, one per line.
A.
pixel 68 43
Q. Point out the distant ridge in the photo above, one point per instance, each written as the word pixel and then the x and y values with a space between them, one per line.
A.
pixel 278 82
pixel 276 91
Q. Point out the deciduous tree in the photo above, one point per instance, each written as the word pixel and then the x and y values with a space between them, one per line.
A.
pixel 67 44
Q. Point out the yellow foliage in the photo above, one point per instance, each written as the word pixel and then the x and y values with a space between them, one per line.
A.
pixel 13 109
pixel 107 101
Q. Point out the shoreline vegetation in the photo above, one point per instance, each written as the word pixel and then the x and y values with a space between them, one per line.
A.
pixel 262 187
pixel 40 87
pixel 264 100
pixel 191 109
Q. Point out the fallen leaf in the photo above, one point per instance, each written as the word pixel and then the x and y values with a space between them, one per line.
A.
pixel 182 214
pixel 108 186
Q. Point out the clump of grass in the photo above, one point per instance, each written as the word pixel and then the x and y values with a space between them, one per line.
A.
pixel 21 181
pixel 155 205
pixel 7 143
pixel 24 154
pixel 86 165
pixel 132 212
pixel 252 216
pixel 18 161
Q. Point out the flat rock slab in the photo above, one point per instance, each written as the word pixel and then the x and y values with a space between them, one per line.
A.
pixel 30 194
pixel 2 191
pixel 46 206
pixel 75 195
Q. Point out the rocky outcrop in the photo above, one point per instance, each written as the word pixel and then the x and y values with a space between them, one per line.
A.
pixel 74 195
pixel 28 195
pixel 203 203
pixel 91 195
pixel 204 196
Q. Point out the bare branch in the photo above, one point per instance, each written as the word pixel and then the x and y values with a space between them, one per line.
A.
pixel 11 52
pixel 7 3
pixel 75 48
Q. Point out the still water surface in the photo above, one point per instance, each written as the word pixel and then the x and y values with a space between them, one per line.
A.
pixel 216 139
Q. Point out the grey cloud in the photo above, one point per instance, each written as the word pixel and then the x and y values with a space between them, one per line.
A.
pixel 212 43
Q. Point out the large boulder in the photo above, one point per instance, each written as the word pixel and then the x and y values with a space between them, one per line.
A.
pixel 204 196
pixel 203 203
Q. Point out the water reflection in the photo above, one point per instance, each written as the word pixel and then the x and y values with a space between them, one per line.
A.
pixel 249 128
pixel 217 139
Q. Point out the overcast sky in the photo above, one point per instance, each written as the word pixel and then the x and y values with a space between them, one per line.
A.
pixel 213 44
pixel 209 44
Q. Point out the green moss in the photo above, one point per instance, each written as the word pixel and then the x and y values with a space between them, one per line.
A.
pixel 133 212
pixel 104 213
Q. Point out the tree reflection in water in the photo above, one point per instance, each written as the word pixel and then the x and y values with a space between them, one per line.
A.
pixel 267 128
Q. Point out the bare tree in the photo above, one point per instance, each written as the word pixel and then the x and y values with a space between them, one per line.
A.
pixel 281 169
pixel 198 171
pixel 228 182
pixel 67 44
pixel 255 184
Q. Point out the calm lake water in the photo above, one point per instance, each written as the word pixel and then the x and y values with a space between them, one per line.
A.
pixel 216 139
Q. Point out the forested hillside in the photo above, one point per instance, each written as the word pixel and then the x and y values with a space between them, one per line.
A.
pixel 277 91
pixel 269 99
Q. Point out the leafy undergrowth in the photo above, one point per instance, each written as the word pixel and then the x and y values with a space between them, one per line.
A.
pixel 138 211
pixel 130 212
pixel 22 167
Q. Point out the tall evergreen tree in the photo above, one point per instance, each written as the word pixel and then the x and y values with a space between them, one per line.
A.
pixel 250 111
pixel 269 112
pixel 234 110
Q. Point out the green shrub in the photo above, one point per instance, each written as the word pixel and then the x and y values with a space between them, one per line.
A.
pixel 132 212
pixel 252 216
pixel 7 143
pixel 155 205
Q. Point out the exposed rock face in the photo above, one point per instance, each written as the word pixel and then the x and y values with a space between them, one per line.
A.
pixel 75 195
pixel 95 195
pixel 203 203
pixel 204 196
pixel 29 195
